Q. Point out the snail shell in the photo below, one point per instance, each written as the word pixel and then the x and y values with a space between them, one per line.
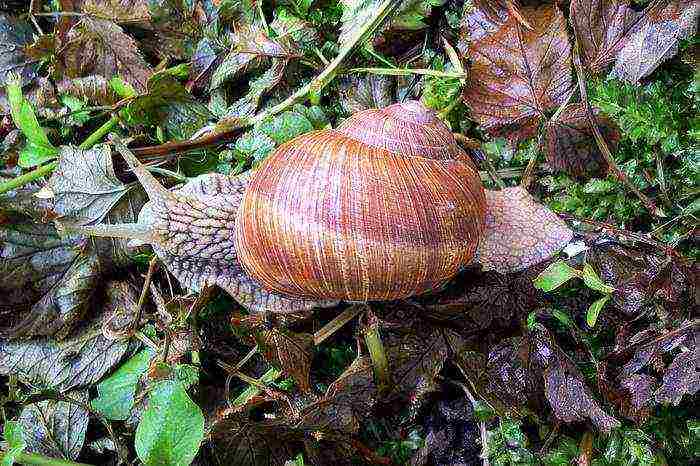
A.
pixel 385 206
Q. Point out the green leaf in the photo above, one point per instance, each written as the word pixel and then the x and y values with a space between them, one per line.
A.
pixel 15 441
pixel 171 429
pixel 255 145
pixel 39 149
pixel 286 126
pixel 121 87
pixel 555 276
pixel 593 281
pixel 594 310
pixel 116 393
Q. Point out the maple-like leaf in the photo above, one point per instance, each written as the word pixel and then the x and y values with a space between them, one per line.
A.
pixel 655 38
pixel 517 73
pixel 602 28
pixel 96 46
pixel 571 146
pixel 119 11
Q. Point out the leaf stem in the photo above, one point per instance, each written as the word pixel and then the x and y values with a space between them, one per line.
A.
pixel 373 340
pixel 40 460
pixel 99 133
pixel 43 170
pixel 28 177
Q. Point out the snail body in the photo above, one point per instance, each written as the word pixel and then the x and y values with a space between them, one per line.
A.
pixel 383 207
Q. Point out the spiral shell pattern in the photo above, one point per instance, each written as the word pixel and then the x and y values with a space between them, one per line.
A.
pixel 384 207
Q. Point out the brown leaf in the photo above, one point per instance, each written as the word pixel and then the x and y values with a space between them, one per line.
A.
pixel 683 374
pixel 290 351
pixel 346 404
pixel 100 47
pixel 94 89
pixel 483 300
pixel 569 396
pixel 571 146
pixel 118 11
pixel 639 276
pixel 602 30
pixel 517 73
pixel 655 38
pixel 120 309
pixel 239 442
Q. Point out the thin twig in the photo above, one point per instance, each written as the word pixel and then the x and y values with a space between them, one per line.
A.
pixel 338 321
pixel 142 298
pixel 648 203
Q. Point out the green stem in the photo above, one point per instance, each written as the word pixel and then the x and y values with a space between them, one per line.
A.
pixel 322 80
pixel 43 170
pixel 99 133
pixel 26 178
pixel 378 356
pixel 271 375
pixel 40 460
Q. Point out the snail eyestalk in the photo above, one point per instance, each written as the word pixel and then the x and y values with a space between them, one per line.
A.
pixel 150 184
pixel 131 231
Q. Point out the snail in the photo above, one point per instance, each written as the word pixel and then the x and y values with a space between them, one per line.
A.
pixel 383 207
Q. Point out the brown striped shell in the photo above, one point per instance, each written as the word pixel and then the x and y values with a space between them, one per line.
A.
pixel 385 206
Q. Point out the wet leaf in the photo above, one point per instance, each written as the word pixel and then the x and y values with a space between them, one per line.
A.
pixel 554 276
pixel 171 428
pixel 176 28
pixel 482 300
pixel 292 352
pixel 167 103
pixel 100 47
pixel 641 389
pixel 347 402
pixel 39 149
pixel 15 34
pixel 571 146
pixel 118 11
pixel 78 361
pixel 602 28
pixel 116 393
pixel 47 274
pixel 252 50
pixel 371 91
pixel 683 374
pixel 56 428
pixel 84 185
pixel 517 74
pixel 236 442
pixel 639 276
pixel 655 38
pixel 93 89
pixel 569 396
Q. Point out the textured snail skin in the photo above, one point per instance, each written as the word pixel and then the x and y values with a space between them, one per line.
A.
pixel 387 206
